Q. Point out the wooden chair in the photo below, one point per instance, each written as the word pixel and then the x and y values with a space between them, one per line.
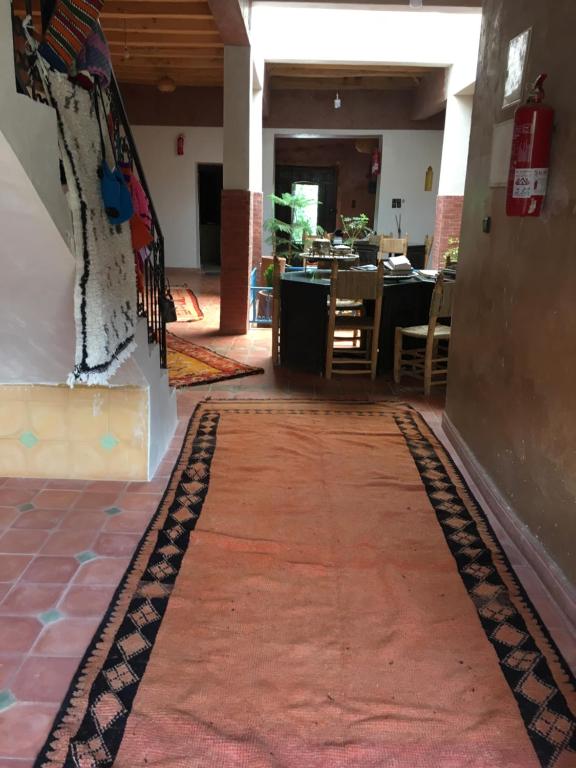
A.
pixel 392 246
pixel 352 284
pixel 279 265
pixel 428 243
pixel 431 361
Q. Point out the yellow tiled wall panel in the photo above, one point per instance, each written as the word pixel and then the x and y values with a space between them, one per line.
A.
pixel 85 433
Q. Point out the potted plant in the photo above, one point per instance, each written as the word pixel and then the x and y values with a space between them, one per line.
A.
pixel 355 228
pixel 286 237
pixel 451 254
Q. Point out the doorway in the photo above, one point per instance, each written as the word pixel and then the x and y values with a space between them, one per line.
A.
pixel 325 179
pixel 210 177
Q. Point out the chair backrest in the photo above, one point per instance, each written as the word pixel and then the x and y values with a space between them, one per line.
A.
pixel 428 243
pixel 393 245
pixel 441 304
pixel 355 284
pixel 307 241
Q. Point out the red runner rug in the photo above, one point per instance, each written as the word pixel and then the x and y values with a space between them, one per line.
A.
pixel 318 588
pixel 190 364
pixel 187 305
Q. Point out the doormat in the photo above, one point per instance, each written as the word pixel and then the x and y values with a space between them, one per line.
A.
pixel 190 364
pixel 317 588
pixel 187 305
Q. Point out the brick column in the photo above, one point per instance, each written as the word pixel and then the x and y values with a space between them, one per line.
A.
pixel 257 215
pixel 236 238
pixel 448 224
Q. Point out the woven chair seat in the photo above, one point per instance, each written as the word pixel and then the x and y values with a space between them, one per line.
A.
pixel 421 331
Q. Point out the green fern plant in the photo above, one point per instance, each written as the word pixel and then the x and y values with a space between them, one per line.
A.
pixel 283 236
pixel 355 228
pixel 451 254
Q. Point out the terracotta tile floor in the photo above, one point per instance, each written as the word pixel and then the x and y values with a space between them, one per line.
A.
pixel 64 545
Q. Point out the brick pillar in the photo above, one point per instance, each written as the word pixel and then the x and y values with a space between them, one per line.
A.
pixel 236 238
pixel 257 213
pixel 448 224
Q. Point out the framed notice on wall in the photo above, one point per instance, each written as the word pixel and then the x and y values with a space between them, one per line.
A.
pixel 516 68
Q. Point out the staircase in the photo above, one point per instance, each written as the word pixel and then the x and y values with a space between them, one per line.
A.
pixel 37 337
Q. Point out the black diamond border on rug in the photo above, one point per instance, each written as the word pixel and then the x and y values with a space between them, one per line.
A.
pixel 543 708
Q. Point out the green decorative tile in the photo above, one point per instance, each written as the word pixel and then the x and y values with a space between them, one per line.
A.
pixel 7 698
pixel 49 617
pixel 109 442
pixel 111 511
pixel 28 439
pixel 26 507
pixel 84 557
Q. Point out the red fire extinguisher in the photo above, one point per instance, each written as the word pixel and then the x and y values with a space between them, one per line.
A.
pixel 180 144
pixel 530 159
pixel 375 162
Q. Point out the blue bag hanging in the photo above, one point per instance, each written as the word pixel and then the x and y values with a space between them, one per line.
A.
pixel 115 193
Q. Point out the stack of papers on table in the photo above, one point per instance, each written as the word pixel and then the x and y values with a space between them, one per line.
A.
pixel 397 265
pixel 427 274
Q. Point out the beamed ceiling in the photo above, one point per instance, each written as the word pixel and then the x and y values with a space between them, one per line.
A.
pixel 151 39
pixel 345 77
pixel 184 40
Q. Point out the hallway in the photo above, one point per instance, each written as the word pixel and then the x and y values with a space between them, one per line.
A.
pixel 65 544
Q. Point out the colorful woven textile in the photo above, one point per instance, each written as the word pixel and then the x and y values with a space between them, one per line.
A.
pixel 70 26
pixel 95 57
pixel 105 289
pixel 318 589
pixel 190 364
pixel 187 306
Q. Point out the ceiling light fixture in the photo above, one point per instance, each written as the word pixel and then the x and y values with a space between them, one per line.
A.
pixel 415 3
pixel 126 53
pixel 166 85
pixel 337 101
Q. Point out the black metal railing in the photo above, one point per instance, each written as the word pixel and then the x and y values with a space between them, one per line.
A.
pixel 150 277
pixel 152 287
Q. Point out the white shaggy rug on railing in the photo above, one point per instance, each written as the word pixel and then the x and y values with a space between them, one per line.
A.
pixel 105 291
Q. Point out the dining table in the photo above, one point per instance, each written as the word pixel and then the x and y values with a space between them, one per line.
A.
pixel 304 316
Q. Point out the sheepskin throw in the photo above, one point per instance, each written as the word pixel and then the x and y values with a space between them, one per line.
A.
pixel 105 291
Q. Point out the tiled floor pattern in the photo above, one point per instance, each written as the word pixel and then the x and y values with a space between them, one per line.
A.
pixel 64 545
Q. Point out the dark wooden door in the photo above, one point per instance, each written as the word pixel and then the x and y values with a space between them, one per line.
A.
pixel 327 181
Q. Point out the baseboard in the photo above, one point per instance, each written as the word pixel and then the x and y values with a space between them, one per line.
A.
pixel 547 570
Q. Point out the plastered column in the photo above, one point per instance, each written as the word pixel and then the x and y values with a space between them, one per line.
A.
pixel 241 242
pixel 452 174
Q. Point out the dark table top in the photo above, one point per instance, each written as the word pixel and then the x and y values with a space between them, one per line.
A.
pixel 322 277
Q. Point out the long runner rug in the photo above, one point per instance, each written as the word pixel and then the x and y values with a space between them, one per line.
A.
pixel 190 364
pixel 318 588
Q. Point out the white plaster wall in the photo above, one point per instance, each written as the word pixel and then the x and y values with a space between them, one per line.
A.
pixel 456 143
pixel 173 182
pixel 406 156
pixel 299 32
pixel 30 129
pixel 37 334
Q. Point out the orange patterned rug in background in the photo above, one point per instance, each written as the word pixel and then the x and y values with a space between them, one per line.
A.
pixel 190 364
pixel 318 589
pixel 187 305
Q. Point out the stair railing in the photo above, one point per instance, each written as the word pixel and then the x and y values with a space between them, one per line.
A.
pixel 153 287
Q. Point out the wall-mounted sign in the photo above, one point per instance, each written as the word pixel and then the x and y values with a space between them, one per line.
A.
pixel 517 57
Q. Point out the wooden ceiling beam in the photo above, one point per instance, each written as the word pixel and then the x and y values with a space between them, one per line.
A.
pixel 174 27
pixel 116 39
pixel 169 64
pixel 143 9
pixel 170 48
pixel 343 84
pixel 151 77
pixel 146 9
pixel 230 21
pixel 203 54
pixel 343 70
